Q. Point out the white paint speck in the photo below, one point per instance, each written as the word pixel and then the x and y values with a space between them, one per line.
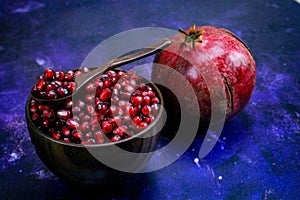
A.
pixel 13 157
pixel 220 178
pixel 196 161
pixel 40 61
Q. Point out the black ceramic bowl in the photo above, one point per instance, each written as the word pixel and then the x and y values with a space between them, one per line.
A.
pixel 80 164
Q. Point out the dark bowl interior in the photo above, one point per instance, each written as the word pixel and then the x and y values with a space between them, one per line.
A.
pixel 79 164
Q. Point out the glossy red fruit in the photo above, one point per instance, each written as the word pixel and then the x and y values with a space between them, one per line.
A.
pixel 210 48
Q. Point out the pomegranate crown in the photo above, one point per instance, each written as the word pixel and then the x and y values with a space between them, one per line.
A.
pixel 191 37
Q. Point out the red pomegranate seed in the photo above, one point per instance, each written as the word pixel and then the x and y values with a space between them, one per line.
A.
pixel 81 103
pixel 61 92
pixel 133 110
pixel 155 100
pixel 89 135
pixel 146 100
pixel 63 114
pixel 51 94
pixel 47 114
pixel 90 109
pixel 136 100
pixel 141 126
pixel 107 83
pixel 56 135
pixel 33 108
pixel 99 137
pixel 59 75
pixel 105 94
pixel 107 127
pixel 69 76
pixel 146 110
pixel 49 74
pixel 115 138
pixel 89 97
pixel 125 95
pixel 68 103
pixel 65 131
pixel 46 123
pixel 77 135
pixel 66 140
pixel 35 116
pixel 40 85
pixel 84 126
pixel 118 120
pixel 90 87
pixel 50 87
pixel 77 73
pixel 137 119
pixel 129 88
pixel 71 87
pixel 72 124
pixel 102 108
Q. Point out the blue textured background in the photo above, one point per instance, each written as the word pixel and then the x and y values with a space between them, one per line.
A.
pixel 257 155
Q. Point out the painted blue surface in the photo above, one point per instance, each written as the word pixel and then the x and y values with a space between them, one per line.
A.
pixel 257 155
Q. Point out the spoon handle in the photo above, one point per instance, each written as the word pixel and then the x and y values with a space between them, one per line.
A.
pixel 154 48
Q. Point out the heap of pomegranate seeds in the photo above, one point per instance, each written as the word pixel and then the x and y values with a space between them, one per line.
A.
pixel 114 106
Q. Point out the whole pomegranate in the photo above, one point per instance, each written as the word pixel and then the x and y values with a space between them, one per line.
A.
pixel 209 49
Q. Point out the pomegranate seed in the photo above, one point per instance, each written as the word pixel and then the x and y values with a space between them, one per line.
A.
pixel 61 92
pixel 63 114
pixel 129 88
pixel 76 136
pixel 49 74
pixel 46 123
pixel 146 110
pixel 102 108
pixel 105 94
pixel 84 126
pixel 107 83
pixel 81 104
pixel 56 135
pixel 35 116
pixel 50 87
pixel 99 137
pixel 66 140
pixel 69 76
pixel 117 86
pixel 125 95
pixel 47 114
pixel 137 119
pixel 68 103
pixel 77 73
pixel 133 110
pixel 115 138
pixel 65 131
pixel 89 135
pixel 155 100
pixel 71 87
pixel 72 124
pixel 136 100
pixel 59 75
pixel 90 109
pixel 40 85
pixel 33 108
pixel 146 100
pixel 51 94
pixel 91 87
pixel 89 97
pixel 107 127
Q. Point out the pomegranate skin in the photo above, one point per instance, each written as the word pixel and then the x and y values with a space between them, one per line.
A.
pixel 210 49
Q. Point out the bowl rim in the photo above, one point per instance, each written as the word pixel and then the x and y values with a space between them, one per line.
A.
pixel 107 144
